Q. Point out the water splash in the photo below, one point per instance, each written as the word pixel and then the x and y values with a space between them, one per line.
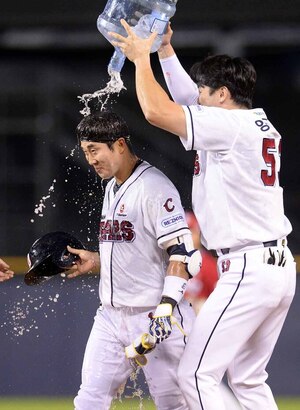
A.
pixel 131 390
pixel 114 86
pixel 39 208
pixel 137 392
pixel 72 152
pixel 23 315
pixel 84 198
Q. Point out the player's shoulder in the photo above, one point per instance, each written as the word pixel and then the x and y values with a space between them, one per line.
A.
pixel 219 116
pixel 259 120
pixel 154 179
pixel 251 114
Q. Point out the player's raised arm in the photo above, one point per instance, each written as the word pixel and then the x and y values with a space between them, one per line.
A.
pixel 156 105
pixel 5 272
pixel 88 262
pixel 181 87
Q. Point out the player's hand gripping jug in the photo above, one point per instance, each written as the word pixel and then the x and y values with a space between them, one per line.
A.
pixel 146 16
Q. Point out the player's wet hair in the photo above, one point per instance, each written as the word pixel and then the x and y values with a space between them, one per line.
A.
pixel 106 127
pixel 237 74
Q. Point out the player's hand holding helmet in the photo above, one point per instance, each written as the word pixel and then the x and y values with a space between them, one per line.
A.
pixel 49 256
pixel 85 262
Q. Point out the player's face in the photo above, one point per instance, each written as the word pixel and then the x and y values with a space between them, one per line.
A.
pixel 208 97
pixel 103 159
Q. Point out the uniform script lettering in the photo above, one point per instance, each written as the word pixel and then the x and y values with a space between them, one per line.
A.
pixel 115 231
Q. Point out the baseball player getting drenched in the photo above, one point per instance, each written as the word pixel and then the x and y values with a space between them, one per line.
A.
pixel 146 257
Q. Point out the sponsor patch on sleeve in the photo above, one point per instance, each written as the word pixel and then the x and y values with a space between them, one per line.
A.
pixel 172 220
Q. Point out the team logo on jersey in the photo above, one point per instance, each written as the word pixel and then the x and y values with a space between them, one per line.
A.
pixel 172 220
pixel 169 207
pixel 122 211
pixel 197 166
pixel 225 265
pixel 115 231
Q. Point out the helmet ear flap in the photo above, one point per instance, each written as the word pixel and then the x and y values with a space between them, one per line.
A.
pixel 49 256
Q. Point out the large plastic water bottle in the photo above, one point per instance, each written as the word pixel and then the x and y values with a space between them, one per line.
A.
pixel 146 16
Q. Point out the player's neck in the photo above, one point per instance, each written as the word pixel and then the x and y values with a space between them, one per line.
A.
pixel 127 169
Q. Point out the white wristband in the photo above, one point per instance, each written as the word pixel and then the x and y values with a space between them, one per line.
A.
pixel 174 287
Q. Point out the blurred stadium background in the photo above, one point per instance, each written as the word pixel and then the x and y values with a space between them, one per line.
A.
pixel 50 54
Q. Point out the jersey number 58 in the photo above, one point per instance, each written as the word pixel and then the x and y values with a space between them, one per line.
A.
pixel 269 153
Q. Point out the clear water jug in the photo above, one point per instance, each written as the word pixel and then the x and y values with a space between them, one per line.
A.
pixel 146 16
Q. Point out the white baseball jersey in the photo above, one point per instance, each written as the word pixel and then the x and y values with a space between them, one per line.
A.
pixel 236 194
pixel 144 213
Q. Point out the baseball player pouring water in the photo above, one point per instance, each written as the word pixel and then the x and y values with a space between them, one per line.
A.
pixel 146 257
pixel 239 205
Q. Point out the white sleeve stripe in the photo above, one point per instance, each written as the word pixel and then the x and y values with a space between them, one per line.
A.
pixel 171 233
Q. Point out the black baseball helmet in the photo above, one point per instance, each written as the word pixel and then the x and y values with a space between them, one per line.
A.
pixel 49 256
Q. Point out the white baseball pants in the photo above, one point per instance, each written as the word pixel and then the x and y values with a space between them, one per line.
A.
pixel 236 331
pixel 105 367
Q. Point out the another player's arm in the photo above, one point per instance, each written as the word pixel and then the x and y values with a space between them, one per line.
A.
pixel 161 321
pixel 181 87
pixel 88 262
pixel 184 262
pixel 156 105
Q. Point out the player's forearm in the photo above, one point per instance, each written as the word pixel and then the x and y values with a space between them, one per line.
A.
pixel 150 94
pixel 155 103
pixel 172 293
pixel 175 283
pixel 181 87
pixel 176 268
